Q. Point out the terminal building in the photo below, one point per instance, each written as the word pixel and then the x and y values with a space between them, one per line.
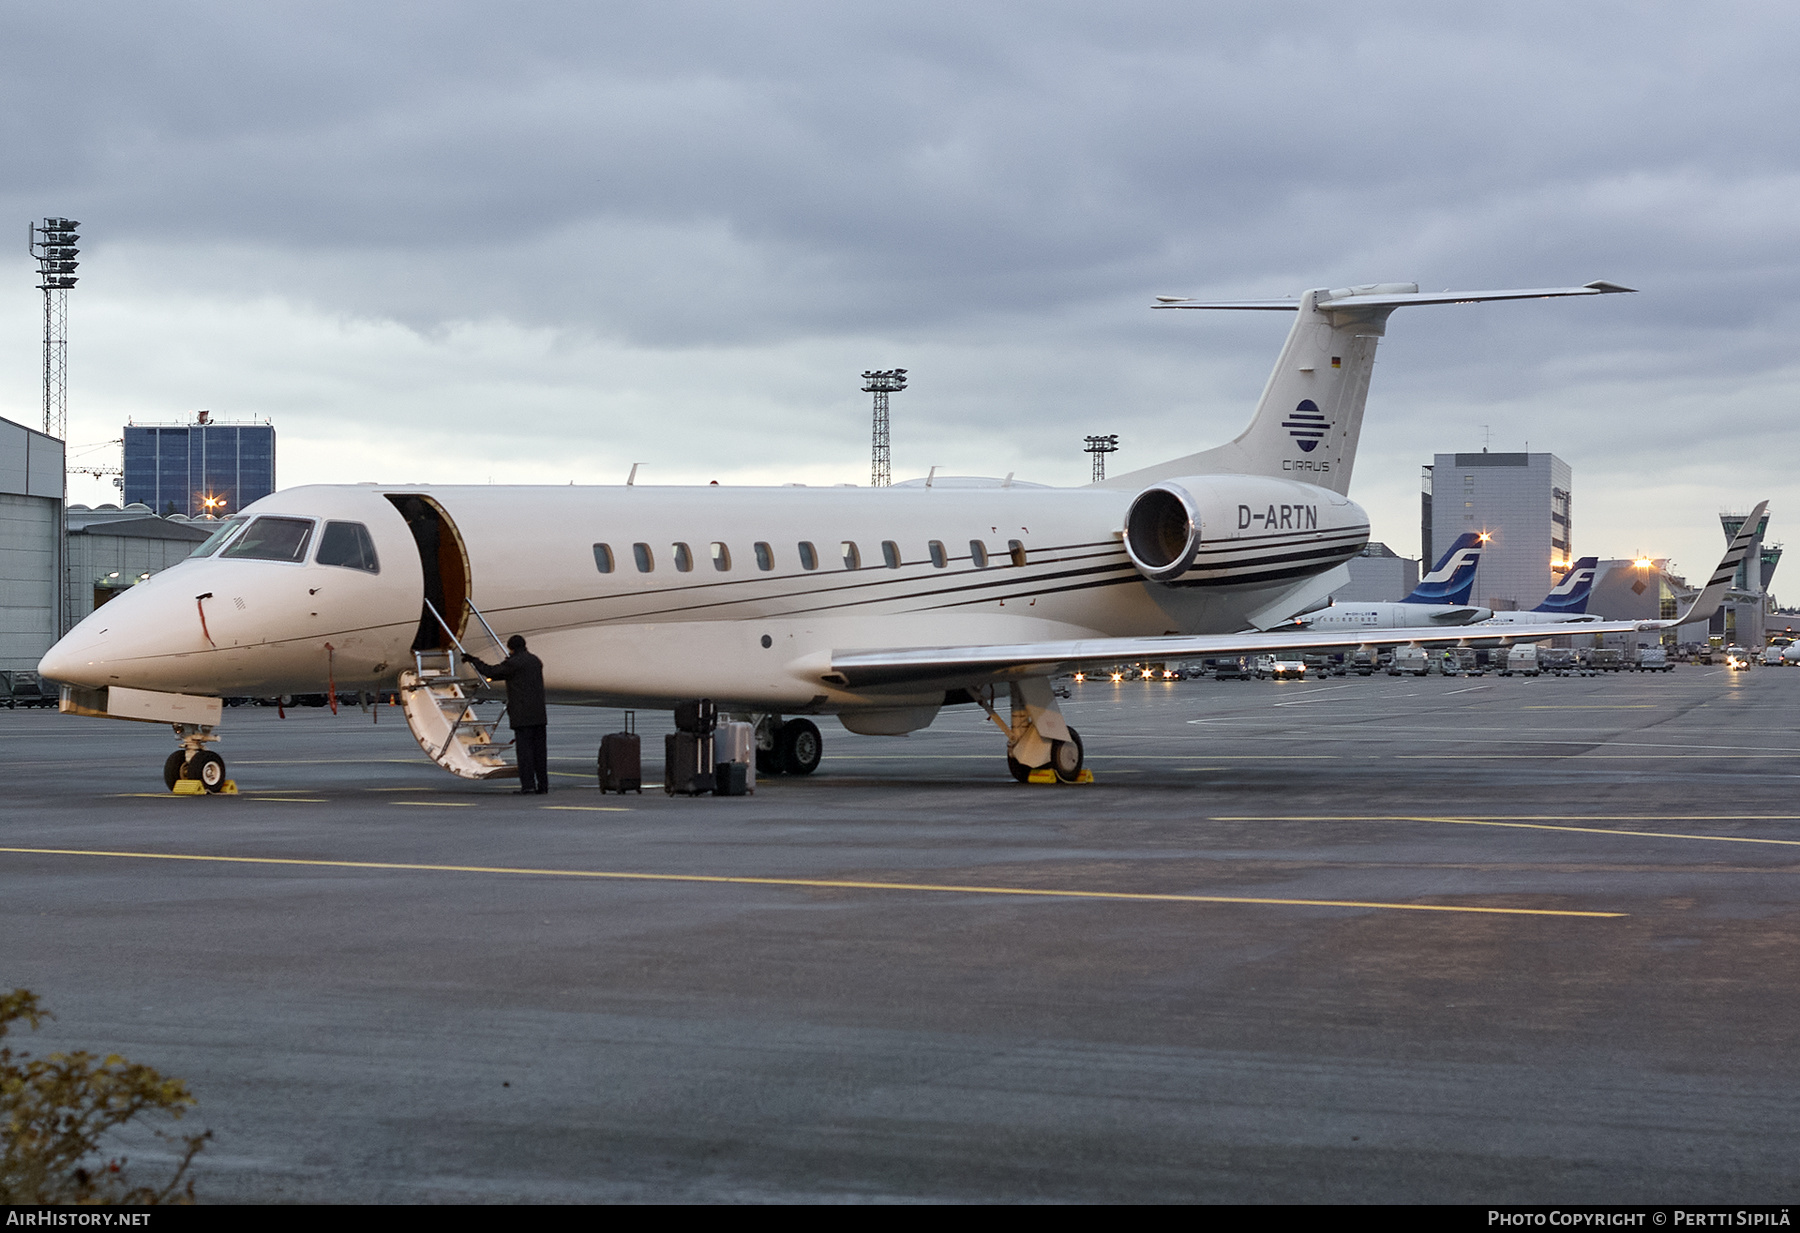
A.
pixel 31 544
pixel 111 549
pixel 210 466
pixel 1522 501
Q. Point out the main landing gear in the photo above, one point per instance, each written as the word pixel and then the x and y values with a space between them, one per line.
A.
pixel 1037 738
pixel 791 748
pixel 194 762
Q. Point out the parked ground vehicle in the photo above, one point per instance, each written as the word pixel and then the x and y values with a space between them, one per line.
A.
pixel 25 689
pixel 1556 661
pixel 1231 668
pixel 1653 659
pixel 1410 660
pixel 1282 665
pixel 1602 658
pixel 1521 660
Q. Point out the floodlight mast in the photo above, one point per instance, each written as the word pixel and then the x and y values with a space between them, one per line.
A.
pixel 55 255
pixel 1100 447
pixel 881 384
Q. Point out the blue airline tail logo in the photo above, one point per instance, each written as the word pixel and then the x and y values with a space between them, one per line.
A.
pixel 1306 425
pixel 1453 577
pixel 1570 594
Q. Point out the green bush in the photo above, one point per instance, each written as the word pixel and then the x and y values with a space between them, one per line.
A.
pixel 57 1109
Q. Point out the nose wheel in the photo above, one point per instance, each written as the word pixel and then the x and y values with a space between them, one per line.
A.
pixel 193 762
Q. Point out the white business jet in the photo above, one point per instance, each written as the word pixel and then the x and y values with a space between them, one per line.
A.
pixel 879 606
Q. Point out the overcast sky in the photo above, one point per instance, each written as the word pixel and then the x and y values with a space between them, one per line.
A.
pixel 541 242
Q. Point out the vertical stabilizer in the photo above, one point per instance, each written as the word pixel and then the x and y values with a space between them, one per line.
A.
pixel 1310 418
pixel 1453 577
pixel 1570 594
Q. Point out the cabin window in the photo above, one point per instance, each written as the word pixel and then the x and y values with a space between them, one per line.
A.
pixel 273 539
pixel 978 553
pixel 939 557
pixel 852 558
pixel 890 552
pixel 684 557
pixel 1016 551
pixel 348 544
pixel 721 556
pixel 603 558
pixel 226 530
pixel 809 556
pixel 645 562
pixel 765 556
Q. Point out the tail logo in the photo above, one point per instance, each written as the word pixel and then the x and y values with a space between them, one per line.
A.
pixel 1306 425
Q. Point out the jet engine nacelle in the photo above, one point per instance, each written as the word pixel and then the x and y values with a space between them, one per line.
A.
pixel 1182 524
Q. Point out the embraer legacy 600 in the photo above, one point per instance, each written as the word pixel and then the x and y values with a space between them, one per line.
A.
pixel 879 606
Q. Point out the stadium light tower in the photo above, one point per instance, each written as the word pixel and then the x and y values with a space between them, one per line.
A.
pixel 55 254
pixel 881 384
pixel 1100 447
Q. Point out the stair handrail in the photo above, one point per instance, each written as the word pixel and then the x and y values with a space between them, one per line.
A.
pixel 484 624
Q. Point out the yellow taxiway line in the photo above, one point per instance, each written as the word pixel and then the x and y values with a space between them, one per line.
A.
pixel 812 883
pixel 1523 824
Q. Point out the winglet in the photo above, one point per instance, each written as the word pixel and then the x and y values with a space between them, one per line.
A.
pixel 1707 602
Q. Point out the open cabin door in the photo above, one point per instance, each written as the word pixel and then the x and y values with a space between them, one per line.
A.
pixel 445 562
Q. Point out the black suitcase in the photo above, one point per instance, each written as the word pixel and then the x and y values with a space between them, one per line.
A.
pixel 621 763
pixel 697 716
pixel 687 764
pixel 731 779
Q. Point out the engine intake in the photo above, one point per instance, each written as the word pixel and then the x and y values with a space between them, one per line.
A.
pixel 1162 532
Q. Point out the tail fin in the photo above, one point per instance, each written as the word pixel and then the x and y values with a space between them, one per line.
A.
pixel 1570 594
pixel 1309 420
pixel 1453 577
pixel 1707 602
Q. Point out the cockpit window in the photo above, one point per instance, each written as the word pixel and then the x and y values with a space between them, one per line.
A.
pixel 348 544
pixel 273 539
pixel 226 530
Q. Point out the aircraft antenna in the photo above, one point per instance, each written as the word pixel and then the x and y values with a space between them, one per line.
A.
pixel 881 384
pixel 1100 447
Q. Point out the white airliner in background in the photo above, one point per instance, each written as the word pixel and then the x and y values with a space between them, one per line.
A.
pixel 1566 603
pixel 1440 599
pixel 879 606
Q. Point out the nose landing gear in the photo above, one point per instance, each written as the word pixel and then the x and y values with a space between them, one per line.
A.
pixel 196 764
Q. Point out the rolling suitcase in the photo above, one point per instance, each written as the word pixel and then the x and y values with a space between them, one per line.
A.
pixel 621 763
pixel 734 758
pixel 687 764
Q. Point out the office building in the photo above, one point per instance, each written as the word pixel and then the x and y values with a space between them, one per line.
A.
pixel 1521 501
pixel 210 466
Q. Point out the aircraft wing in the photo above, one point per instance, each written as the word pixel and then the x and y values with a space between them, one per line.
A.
pixel 961 665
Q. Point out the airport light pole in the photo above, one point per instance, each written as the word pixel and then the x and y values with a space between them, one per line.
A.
pixel 881 384
pixel 55 255
pixel 52 245
pixel 1100 447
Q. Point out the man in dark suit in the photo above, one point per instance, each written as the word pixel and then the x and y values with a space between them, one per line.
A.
pixel 523 673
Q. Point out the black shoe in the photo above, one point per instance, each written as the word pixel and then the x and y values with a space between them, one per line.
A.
pixel 526 792
pixel 543 791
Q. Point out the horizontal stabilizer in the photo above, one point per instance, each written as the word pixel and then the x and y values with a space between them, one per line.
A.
pixel 1384 296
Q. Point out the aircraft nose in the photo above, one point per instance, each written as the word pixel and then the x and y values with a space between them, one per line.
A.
pixel 125 639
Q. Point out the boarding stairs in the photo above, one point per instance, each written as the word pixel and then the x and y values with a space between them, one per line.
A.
pixel 451 711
